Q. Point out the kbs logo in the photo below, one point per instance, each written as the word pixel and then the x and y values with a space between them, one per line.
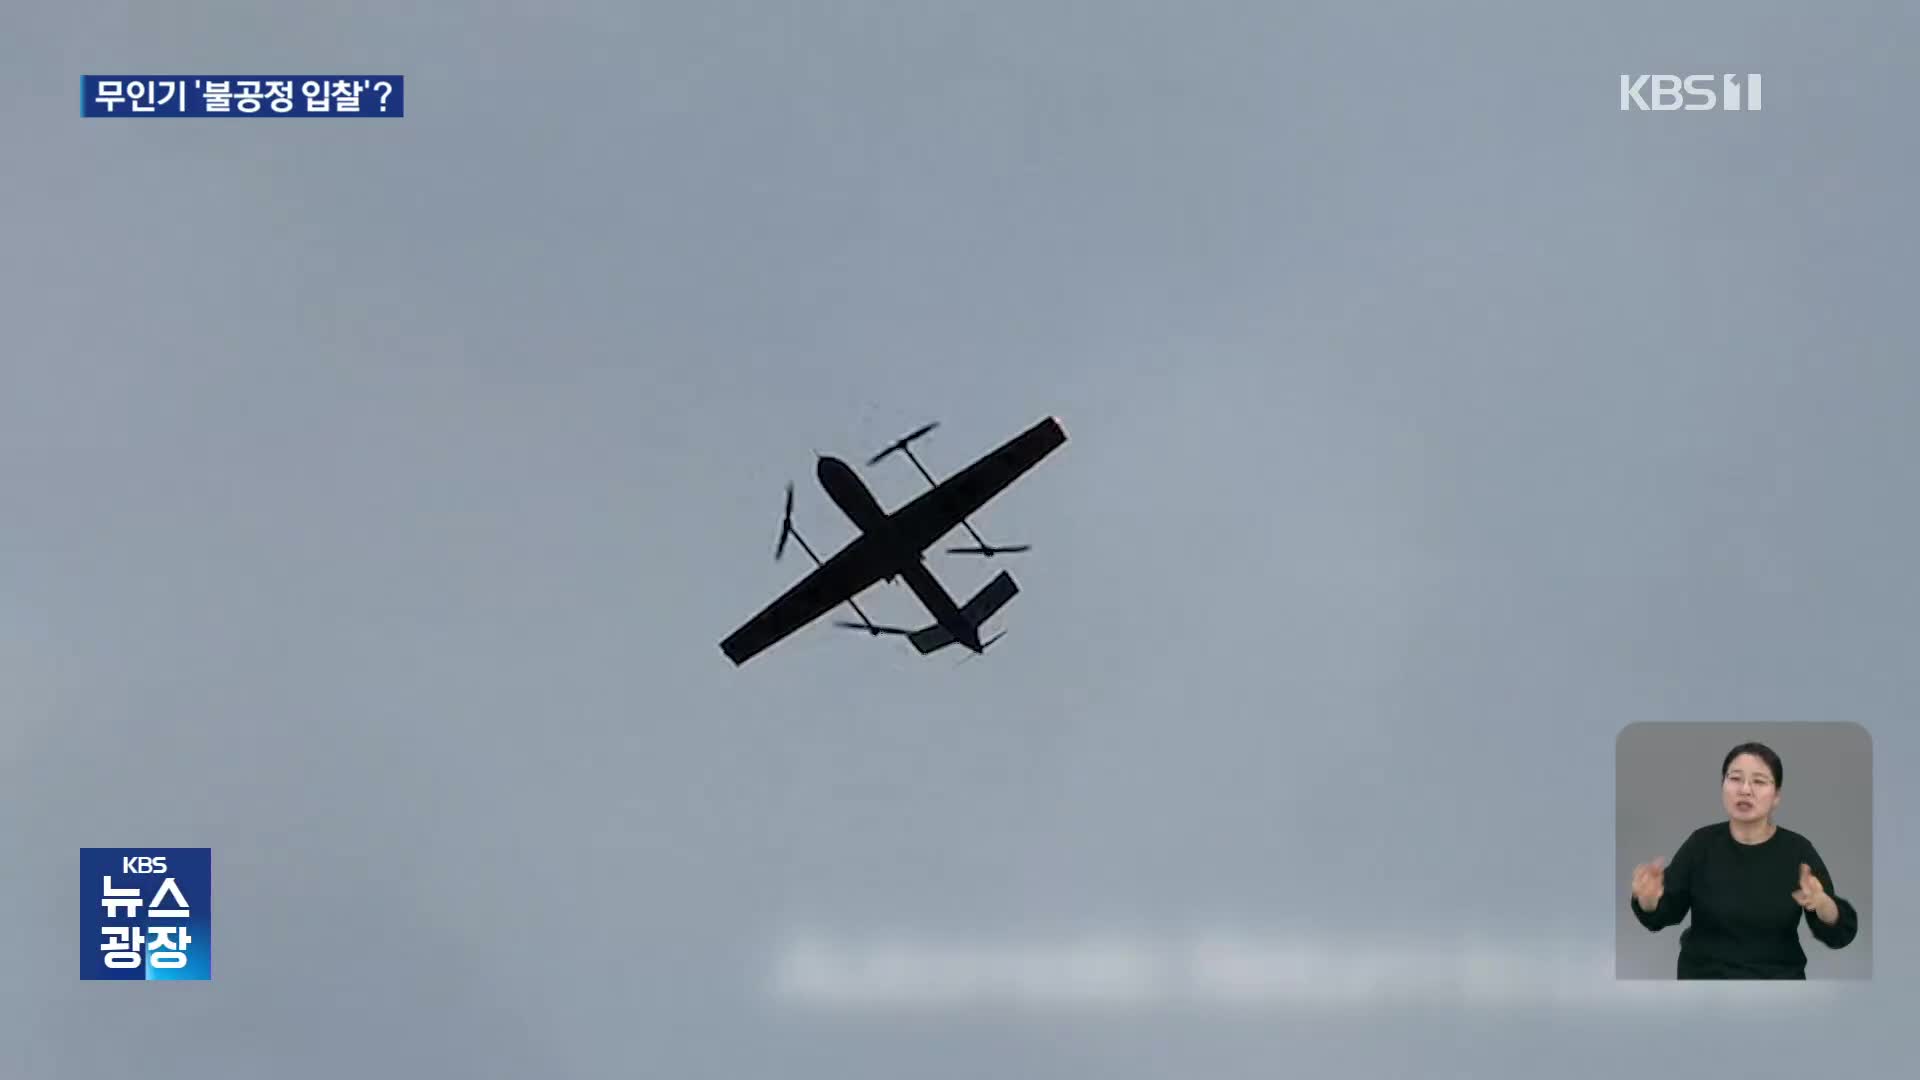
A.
pixel 1667 93
pixel 146 913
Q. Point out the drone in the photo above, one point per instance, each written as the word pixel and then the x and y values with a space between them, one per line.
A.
pixel 893 546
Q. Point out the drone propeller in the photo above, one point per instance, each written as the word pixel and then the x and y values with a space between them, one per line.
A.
pixel 901 443
pixel 870 629
pixel 984 646
pixel 989 550
pixel 786 525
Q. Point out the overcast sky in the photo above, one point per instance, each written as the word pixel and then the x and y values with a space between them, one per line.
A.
pixel 377 495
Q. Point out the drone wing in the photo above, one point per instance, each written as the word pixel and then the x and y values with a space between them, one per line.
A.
pixel 832 583
pixel 937 512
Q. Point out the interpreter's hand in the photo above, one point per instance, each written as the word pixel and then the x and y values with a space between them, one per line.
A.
pixel 1650 883
pixel 1811 894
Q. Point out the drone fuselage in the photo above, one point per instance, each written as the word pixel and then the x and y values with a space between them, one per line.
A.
pixel 852 496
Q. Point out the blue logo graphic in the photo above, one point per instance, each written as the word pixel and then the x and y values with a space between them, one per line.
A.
pixel 146 913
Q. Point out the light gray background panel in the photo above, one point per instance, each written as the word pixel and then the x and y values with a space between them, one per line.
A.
pixel 376 495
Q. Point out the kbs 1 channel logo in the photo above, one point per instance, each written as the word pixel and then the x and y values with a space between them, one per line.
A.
pixel 1689 93
pixel 146 913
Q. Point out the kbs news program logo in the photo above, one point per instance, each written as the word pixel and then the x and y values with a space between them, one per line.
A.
pixel 146 913
pixel 1694 93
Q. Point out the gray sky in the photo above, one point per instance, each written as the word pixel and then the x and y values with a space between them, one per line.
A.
pixel 377 495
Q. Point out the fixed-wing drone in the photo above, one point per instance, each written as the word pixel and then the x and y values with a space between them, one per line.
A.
pixel 893 545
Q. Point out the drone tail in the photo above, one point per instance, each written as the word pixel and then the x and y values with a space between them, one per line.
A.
pixel 991 598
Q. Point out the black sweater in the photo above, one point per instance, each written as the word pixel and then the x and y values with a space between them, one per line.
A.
pixel 1746 924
